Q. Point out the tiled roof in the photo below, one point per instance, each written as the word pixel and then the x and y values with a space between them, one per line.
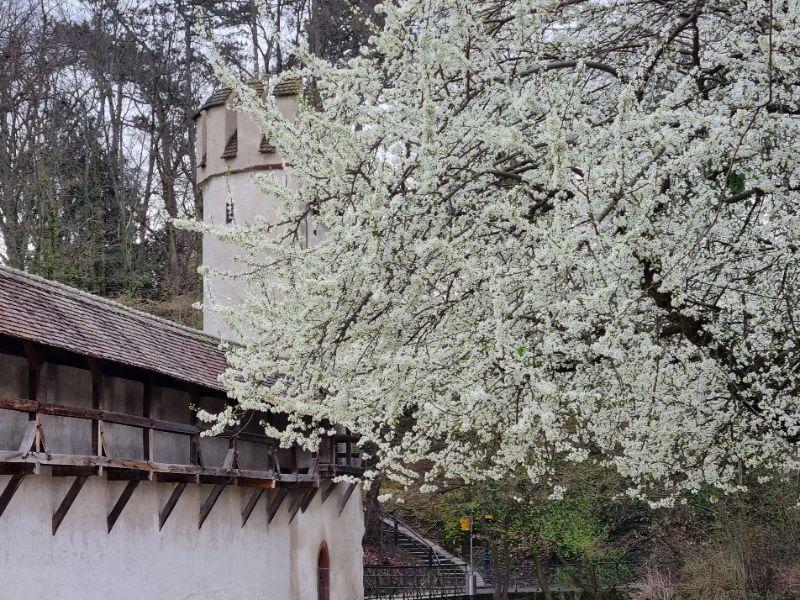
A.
pixel 232 147
pixel 265 147
pixel 42 311
pixel 217 98
pixel 286 86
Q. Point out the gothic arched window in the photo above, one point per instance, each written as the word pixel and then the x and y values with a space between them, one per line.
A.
pixel 323 573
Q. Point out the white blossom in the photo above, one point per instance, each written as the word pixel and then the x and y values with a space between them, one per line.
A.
pixel 555 230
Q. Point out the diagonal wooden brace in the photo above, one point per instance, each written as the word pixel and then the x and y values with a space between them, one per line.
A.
pixel 251 504
pixel 165 512
pixel 130 487
pixel 66 503
pixel 10 490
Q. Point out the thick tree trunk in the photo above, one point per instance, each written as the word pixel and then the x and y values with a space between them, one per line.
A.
pixel 541 576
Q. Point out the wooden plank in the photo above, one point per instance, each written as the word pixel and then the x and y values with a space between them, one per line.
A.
pixel 266 484
pixel 18 468
pixel 166 511
pixel 66 503
pixel 216 492
pixel 61 410
pixel 9 491
pixel 327 491
pixel 343 502
pixel 117 474
pixel 122 501
pixel 175 477
pixel 251 504
pixel 73 470
pixel 121 468
pixel 272 507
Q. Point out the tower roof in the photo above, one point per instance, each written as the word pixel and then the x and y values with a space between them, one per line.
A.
pixel 286 86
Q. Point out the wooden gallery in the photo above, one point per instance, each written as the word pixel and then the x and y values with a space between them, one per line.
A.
pixel 107 487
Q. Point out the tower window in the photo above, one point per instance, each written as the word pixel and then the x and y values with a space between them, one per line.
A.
pixel 229 215
pixel 323 573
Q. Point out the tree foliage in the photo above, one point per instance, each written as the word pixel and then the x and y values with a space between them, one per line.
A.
pixel 554 229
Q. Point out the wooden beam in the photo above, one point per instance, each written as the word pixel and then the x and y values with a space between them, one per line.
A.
pixel 327 491
pixel 216 492
pixel 117 474
pixel 148 436
pixel 308 498
pixel 96 369
pixel 29 438
pixel 62 410
pixel 73 470
pixel 165 512
pixel 175 477
pixel 195 456
pixel 10 490
pixel 266 484
pixel 122 501
pixel 294 508
pixel 19 468
pixel 272 507
pixel 66 503
pixel 251 504
pixel 343 502
pixel 35 364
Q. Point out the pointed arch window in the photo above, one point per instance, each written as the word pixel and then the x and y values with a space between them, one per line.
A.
pixel 323 573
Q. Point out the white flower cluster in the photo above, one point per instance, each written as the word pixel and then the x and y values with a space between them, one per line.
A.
pixel 556 230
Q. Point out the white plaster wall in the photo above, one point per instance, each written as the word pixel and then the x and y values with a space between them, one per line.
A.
pixel 234 179
pixel 249 202
pixel 220 561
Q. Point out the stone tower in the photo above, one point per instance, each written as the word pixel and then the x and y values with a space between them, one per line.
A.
pixel 231 151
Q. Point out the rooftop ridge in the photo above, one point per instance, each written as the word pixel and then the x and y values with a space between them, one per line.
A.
pixel 73 292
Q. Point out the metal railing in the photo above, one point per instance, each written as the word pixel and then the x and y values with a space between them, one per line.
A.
pixel 414 582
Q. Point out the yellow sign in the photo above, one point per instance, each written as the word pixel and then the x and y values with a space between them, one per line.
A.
pixel 466 523
pixel 488 517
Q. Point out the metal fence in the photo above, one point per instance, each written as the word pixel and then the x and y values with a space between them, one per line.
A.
pixel 414 582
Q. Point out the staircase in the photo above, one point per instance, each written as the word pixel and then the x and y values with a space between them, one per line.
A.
pixel 424 551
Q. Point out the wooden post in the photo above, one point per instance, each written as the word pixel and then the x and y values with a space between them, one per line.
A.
pixel 195 456
pixel 96 370
pixel 35 388
pixel 148 436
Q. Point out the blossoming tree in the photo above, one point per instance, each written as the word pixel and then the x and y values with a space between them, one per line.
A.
pixel 555 229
